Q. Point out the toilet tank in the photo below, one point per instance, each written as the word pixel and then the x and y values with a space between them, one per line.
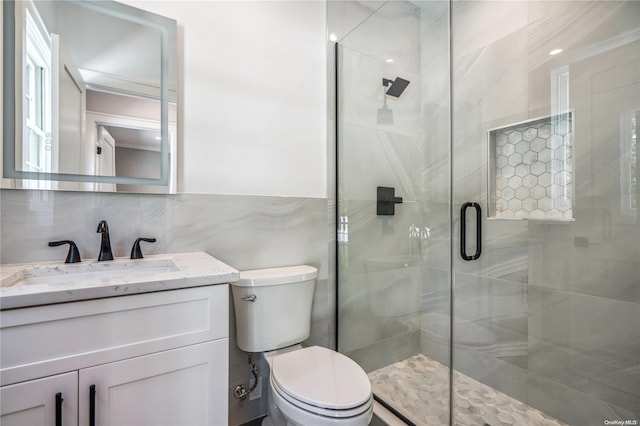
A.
pixel 273 307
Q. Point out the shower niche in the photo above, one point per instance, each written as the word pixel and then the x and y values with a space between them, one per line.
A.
pixel 531 169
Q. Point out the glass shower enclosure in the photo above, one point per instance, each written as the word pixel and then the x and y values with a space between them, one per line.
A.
pixel 488 241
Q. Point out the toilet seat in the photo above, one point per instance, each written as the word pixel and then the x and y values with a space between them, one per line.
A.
pixel 321 381
pixel 324 412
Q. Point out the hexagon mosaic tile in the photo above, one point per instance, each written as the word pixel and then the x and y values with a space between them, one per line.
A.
pixel 418 387
pixel 532 169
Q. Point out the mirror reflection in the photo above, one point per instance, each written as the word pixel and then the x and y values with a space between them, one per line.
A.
pixel 95 91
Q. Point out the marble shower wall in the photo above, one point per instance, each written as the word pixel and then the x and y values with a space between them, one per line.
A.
pixel 394 268
pixel 379 267
pixel 243 231
pixel 549 313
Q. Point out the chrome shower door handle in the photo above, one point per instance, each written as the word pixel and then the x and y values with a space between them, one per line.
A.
pixel 250 298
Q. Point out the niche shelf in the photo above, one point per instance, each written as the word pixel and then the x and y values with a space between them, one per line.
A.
pixel 531 169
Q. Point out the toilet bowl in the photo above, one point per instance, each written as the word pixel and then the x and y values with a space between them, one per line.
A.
pixel 317 386
pixel 312 386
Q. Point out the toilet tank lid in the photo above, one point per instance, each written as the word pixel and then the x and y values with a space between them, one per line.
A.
pixel 276 276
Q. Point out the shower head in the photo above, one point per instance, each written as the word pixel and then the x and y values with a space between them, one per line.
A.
pixel 397 86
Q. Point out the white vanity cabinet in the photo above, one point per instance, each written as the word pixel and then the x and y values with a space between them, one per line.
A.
pixel 174 387
pixel 35 403
pixel 153 359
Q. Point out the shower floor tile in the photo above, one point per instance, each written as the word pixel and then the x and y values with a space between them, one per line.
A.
pixel 418 387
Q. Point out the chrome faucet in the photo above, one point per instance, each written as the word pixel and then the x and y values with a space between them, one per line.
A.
pixel 105 244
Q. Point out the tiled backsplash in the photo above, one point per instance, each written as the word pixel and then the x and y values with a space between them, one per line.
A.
pixel 531 169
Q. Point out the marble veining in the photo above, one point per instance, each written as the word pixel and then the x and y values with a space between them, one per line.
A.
pixel 51 282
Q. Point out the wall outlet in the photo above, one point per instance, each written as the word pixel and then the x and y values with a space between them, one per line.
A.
pixel 257 392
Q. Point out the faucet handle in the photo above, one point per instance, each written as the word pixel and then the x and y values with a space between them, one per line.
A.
pixel 136 252
pixel 73 256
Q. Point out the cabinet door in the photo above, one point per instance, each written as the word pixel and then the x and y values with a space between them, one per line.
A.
pixel 185 386
pixel 33 403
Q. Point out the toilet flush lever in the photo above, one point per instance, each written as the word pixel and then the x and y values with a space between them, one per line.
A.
pixel 250 298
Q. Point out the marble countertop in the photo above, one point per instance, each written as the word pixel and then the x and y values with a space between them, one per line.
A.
pixel 42 283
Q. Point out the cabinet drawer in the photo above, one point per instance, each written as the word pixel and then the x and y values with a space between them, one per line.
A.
pixel 47 340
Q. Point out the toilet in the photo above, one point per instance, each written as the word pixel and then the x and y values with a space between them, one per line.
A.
pixel 312 386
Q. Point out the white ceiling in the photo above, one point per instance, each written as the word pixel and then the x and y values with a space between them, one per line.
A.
pixel 145 139
pixel 104 43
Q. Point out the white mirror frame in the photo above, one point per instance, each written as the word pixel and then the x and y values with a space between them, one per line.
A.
pixel 11 90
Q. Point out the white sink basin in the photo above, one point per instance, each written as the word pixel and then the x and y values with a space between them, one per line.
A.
pixel 88 272
pixel 44 283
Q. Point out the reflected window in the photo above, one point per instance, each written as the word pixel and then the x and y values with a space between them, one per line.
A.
pixel 629 166
pixel 37 109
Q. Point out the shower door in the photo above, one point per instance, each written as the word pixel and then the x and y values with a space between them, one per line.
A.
pixel 488 236
pixel 546 98
pixel 393 203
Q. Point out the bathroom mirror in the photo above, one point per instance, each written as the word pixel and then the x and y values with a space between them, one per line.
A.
pixel 89 97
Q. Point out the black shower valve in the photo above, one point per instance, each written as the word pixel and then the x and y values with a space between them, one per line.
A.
pixel 386 201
